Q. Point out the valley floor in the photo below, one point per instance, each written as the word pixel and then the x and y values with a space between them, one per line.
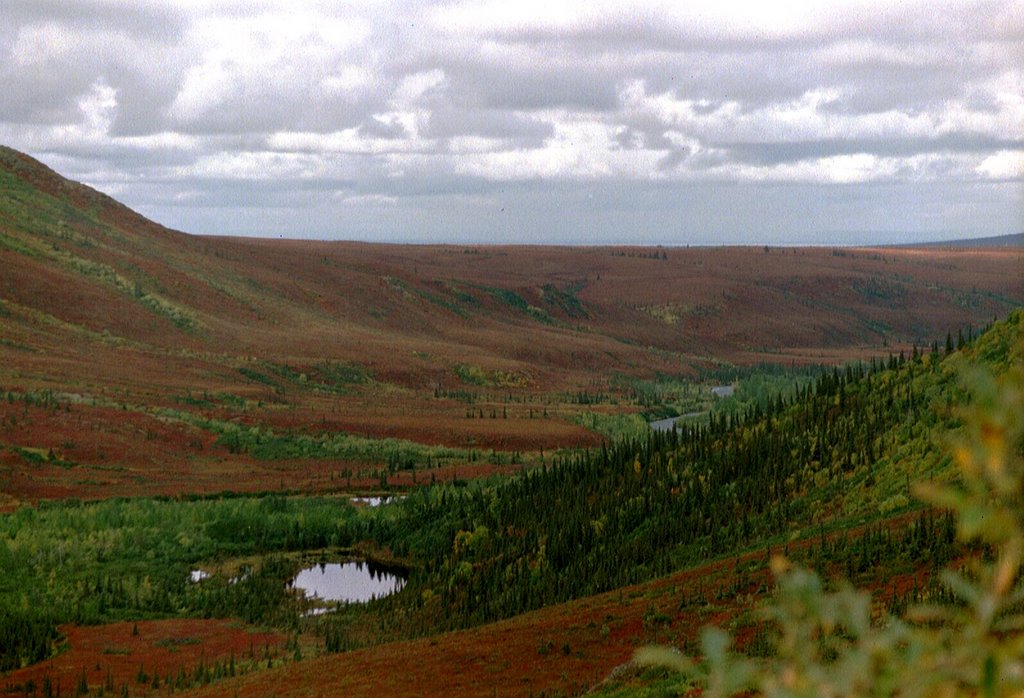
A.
pixel 565 649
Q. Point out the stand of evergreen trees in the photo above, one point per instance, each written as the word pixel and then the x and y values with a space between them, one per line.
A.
pixel 596 520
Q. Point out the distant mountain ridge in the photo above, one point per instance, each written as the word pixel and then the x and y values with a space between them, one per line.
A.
pixel 1012 240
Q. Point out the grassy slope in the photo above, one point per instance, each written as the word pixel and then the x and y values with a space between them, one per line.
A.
pixel 541 309
pixel 119 313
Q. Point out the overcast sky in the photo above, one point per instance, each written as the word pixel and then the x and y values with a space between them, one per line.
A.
pixel 520 121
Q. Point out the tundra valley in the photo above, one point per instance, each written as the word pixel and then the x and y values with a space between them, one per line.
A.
pixel 241 466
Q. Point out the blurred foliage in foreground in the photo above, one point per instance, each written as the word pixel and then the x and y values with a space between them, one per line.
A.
pixel 825 641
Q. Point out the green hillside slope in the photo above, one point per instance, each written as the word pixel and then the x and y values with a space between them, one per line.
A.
pixel 843 453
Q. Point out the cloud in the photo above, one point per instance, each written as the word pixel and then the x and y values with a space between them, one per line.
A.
pixel 1006 164
pixel 467 108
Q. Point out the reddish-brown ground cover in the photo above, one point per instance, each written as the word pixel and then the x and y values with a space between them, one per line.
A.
pixel 75 449
pixel 122 654
pixel 798 306
pixel 101 303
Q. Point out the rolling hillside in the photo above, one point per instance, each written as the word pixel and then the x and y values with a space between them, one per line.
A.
pixel 79 266
pixel 144 330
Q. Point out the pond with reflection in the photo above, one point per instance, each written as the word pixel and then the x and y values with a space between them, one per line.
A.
pixel 351 582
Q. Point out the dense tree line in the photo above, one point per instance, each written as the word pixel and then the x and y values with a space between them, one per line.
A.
pixel 599 519
pixel 965 639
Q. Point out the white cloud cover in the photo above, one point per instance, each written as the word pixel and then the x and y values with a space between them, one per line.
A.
pixel 575 121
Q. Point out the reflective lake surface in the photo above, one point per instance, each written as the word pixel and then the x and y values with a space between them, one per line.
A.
pixel 351 582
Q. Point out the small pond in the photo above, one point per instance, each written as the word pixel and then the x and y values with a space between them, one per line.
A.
pixel 350 582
